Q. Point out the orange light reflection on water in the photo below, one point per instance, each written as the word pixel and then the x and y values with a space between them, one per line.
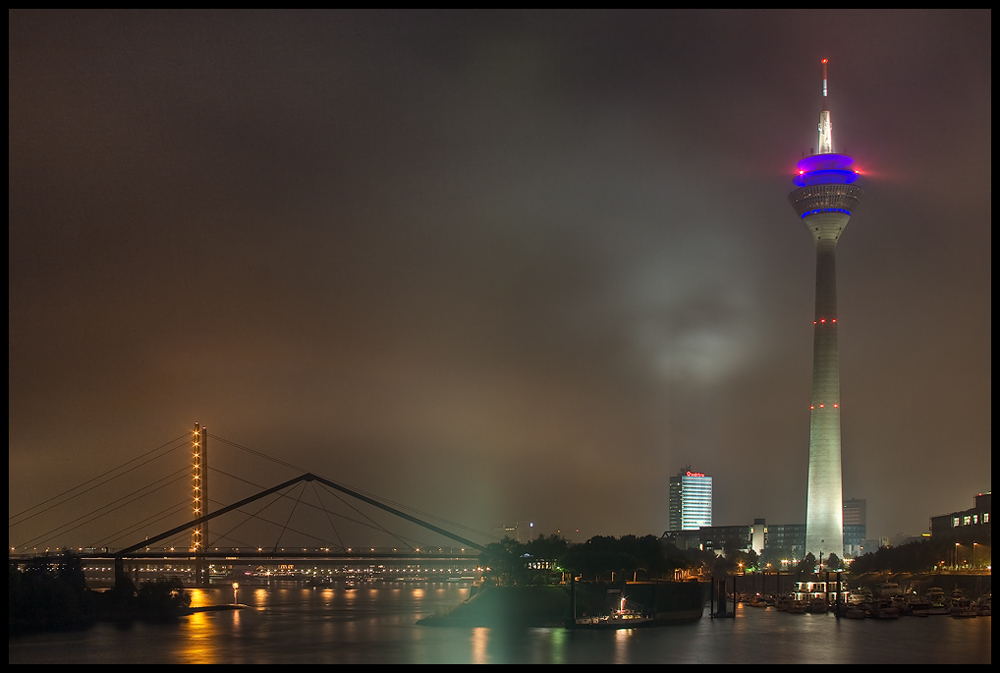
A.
pixel 204 629
pixel 199 598
pixel 622 637
pixel 198 647
pixel 260 597
pixel 480 641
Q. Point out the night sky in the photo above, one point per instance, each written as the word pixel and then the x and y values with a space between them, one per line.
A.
pixel 499 266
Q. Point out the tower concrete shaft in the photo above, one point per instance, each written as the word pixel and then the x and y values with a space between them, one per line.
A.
pixel 824 500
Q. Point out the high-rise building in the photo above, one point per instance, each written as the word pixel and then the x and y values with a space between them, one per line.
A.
pixel 855 526
pixel 758 535
pixel 825 199
pixel 855 511
pixel 690 501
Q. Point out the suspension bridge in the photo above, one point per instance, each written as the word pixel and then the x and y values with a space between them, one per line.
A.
pixel 314 527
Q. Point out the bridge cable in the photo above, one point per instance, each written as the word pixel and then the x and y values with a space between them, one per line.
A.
pixel 97 513
pixel 255 515
pixel 259 454
pixel 329 520
pixel 226 535
pixel 159 516
pixel 236 542
pixel 60 495
pixel 322 508
pixel 278 541
pixel 273 523
pixel 368 493
pixel 375 523
pixel 93 515
pixel 280 495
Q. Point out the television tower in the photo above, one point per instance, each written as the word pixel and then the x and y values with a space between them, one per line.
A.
pixel 825 199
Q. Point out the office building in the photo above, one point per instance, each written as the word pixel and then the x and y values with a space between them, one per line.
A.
pixel 690 501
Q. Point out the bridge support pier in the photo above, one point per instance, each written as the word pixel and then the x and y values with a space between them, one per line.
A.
pixel 201 574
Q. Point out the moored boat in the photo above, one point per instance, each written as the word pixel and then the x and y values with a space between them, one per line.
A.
pixel 626 616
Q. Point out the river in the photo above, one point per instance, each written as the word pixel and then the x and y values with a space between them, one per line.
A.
pixel 376 623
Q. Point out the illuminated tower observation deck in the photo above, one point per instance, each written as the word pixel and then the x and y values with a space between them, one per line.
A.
pixel 825 199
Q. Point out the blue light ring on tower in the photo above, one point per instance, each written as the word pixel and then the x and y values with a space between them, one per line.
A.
pixel 825 169
pixel 825 210
pixel 826 176
pixel 817 162
pixel 814 199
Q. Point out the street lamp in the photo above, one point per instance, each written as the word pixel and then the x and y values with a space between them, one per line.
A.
pixel 236 590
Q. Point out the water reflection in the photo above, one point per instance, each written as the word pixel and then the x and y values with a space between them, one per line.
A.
pixel 480 646
pixel 199 598
pixel 200 644
pixel 295 624
pixel 557 653
pixel 621 645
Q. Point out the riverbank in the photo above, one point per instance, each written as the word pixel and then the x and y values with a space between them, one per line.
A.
pixel 552 606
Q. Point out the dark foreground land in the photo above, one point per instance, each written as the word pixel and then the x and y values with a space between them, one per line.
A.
pixel 51 594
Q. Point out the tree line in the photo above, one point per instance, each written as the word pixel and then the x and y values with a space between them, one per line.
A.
pixel 601 558
pixel 51 594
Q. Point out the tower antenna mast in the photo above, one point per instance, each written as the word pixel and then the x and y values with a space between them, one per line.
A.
pixel 825 127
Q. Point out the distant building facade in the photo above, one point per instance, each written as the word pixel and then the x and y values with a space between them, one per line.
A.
pixel 521 531
pixel 716 539
pixel 690 501
pixel 683 539
pixel 725 539
pixel 967 526
pixel 788 536
pixel 790 539
pixel 855 511
pixel 855 527
pixel 855 540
